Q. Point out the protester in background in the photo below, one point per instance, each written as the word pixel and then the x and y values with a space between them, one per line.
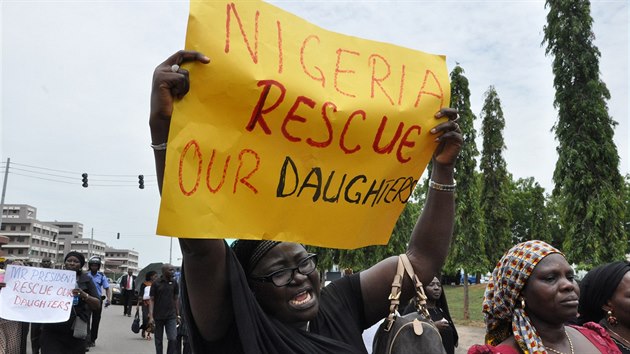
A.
pixel 144 297
pixel 36 328
pixel 128 286
pixel 441 316
pixel 531 295
pixel 12 333
pixel 164 309
pixel 605 298
pixel 265 296
pixel 101 282
pixel 57 338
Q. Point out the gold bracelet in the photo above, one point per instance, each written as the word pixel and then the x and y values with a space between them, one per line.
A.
pixel 442 187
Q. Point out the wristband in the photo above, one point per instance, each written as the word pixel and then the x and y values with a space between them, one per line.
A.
pixel 158 147
pixel 442 187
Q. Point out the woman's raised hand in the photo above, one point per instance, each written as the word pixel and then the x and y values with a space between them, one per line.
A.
pixel 449 138
pixel 170 82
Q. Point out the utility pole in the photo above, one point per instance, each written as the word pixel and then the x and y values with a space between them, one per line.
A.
pixel 91 243
pixel 4 188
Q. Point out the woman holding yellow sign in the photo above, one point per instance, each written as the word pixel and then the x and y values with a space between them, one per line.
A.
pixel 265 296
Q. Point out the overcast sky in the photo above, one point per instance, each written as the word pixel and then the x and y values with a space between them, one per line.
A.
pixel 76 81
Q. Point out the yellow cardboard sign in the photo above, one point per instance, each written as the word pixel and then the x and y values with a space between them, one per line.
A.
pixel 296 133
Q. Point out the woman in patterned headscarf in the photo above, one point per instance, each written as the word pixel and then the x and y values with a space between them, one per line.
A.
pixel 530 297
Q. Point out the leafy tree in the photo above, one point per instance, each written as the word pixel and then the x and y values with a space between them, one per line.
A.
pixel 530 217
pixel 555 227
pixel 467 249
pixel 626 222
pixel 587 178
pixel 364 257
pixel 496 181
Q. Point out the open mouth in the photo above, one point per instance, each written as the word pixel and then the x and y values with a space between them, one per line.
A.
pixel 302 298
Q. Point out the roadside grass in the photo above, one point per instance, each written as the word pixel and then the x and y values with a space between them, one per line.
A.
pixel 455 298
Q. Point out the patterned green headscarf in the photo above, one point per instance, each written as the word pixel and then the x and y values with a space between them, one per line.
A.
pixel 504 314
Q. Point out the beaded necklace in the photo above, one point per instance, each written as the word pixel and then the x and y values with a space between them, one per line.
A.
pixel 570 345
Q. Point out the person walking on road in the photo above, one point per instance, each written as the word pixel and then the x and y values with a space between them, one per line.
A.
pixel 164 309
pixel 144 297
pixel 101 282
pixel 128 286
pixel 36 328
pixel 58 338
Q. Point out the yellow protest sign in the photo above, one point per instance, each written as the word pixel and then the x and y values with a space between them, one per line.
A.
pixel 296 133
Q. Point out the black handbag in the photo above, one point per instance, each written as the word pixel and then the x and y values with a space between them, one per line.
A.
pixel 412 333
pixel 135 325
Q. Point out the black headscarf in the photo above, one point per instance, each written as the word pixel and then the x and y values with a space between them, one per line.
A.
pixel 597 287
pixel 79 256
pixel 249 252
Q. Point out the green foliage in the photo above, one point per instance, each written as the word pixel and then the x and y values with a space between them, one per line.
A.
pixel 365 257
pixel 455 297
pixel 496 181
pixel 467 249
pixel 626 222
pixel 530 216
pixel 587 179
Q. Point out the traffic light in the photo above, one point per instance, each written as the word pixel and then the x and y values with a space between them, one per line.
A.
pixel 141 181
pixel 85 182
pixel 118 235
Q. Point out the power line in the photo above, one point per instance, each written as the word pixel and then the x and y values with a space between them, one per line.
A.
pixel 135 185
pixel 75 172
pixel 72 177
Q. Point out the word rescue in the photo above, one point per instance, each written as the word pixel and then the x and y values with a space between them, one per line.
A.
pixel 336 76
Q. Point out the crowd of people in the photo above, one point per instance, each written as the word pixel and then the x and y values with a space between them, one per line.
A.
pixel 262 296
pixel 157 296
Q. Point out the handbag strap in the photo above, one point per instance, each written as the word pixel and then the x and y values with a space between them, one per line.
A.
pixel 394 295
pixel 404 266
pixel 421 297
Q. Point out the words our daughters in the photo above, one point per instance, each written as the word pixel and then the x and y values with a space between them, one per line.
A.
pixel 301 119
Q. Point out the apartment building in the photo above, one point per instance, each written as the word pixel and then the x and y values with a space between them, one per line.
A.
pixel 29 240
pixel 119 261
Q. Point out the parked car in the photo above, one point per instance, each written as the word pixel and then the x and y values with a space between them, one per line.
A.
pixel 116 293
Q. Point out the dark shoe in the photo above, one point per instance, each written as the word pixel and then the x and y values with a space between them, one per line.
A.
pixel 91 344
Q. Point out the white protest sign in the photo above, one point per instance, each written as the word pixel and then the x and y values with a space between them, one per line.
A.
pixel 37 294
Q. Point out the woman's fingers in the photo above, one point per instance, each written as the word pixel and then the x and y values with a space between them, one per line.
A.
pixel 447 126
pixel 183 56
pixel 448 112
pixel 171 81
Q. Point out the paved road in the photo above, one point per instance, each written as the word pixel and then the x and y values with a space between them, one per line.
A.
pixel 115 335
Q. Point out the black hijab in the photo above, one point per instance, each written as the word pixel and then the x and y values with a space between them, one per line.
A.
pixel 597 287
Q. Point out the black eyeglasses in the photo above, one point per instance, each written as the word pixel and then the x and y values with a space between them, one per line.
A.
pixel 285 276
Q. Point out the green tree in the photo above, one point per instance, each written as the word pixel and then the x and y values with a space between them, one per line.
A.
pixel 467 249
pixel 626 222
pixel 587 178
pixel 495 184
pixel 530 217
pixel 364 257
